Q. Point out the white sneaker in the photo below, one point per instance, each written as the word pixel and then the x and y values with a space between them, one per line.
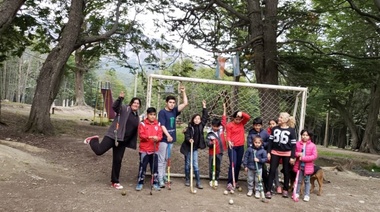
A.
pixel 306 198
pixel 117 186
pixel 257 195
pixel 87 140
pixel 250 192
pixel 216 183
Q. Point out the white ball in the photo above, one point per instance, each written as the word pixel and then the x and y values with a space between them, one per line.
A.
pixel 232 191
pixel 195 191
pixel 225 192
pixel 231 202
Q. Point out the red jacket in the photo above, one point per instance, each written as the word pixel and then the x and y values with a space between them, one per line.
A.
pixel 219 139
pixel 311 155
pixel 235 132
pixel 146 129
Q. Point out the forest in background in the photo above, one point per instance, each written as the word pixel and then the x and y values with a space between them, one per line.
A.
pixel 53 48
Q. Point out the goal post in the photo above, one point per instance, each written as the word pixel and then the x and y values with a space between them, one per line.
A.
pixel 258 100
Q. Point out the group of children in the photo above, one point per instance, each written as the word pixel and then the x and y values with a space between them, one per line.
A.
pixel 275 145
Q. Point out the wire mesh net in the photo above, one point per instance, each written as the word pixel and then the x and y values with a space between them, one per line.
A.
pixel 260 101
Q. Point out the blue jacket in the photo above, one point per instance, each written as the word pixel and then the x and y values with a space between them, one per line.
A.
pixel 248 161
pixel 263 134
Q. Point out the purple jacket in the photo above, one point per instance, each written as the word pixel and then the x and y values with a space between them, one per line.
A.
pixel 309 158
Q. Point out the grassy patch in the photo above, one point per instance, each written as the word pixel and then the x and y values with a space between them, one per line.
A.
pixel 180 134
pixel 372 167
pixel 334 154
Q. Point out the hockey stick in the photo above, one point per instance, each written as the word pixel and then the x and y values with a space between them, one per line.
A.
pixel 263 199
pixel 233 171
pixel 152 180
pixel 213 165
pixel 294 196
pixel 169 160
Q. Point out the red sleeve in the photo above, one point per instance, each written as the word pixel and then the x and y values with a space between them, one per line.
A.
pixel 143 134
pixel 229 128
pixel 246 118
pixel 224 122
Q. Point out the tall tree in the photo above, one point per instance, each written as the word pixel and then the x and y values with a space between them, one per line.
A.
pixel 105 34
pixel 342 63
pixel 51 73
pixel 8 10
pixel 227 26
pixel 49 80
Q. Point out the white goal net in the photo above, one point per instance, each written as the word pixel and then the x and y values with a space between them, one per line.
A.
pixel 258 100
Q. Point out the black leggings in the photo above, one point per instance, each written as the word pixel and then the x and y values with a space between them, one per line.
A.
pixel 117 154
pixel 274 162
pixel 236 156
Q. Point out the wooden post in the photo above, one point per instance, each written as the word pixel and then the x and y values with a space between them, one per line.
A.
pixel 326 140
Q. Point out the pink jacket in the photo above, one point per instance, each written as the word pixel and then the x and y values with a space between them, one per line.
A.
pixel 309 158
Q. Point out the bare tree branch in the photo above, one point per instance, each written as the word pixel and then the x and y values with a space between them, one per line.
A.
pixel 313 47
pixel 106 35
pixel 354 7
pixel 245 45
pixel 232 10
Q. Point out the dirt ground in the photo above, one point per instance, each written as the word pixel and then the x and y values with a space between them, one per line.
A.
pixel 60 173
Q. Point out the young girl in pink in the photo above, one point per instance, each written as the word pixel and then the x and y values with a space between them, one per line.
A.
pixel 306 154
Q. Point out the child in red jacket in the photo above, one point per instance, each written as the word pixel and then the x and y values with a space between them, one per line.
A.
pixel 150 134
pixel 236 141
pixel 306 154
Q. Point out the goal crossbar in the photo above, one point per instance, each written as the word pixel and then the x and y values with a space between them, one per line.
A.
pixel 302 90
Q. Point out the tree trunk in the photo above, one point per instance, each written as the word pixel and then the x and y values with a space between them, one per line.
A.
pixel 349 121
pixel 326 139
pixel 3 80
pixel 369 143
pixel 19 79
pixel 265 53
pixel 342 137
pixel 8 10
pixel 49 79
pixel 79 78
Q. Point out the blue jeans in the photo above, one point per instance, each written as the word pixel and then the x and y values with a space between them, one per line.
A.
pixel 195 167
pixel 302 177
pixel 195 162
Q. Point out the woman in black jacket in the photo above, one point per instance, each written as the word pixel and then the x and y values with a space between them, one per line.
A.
pixel 118 138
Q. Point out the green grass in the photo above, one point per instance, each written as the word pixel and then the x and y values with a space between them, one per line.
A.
pixel 180 135
pixel 334 154
pixel 372 167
